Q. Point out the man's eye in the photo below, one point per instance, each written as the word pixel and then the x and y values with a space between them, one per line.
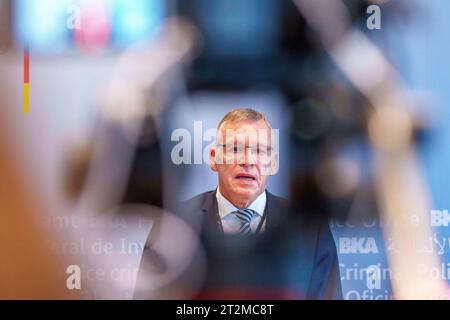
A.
pixel 233 149
pixel 262 151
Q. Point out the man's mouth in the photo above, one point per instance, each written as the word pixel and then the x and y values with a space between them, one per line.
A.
pixel 245 177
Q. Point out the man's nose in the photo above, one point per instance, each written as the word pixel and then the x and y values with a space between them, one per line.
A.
pixel 248 157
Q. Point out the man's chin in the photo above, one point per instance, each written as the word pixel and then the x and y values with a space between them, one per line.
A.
pixel 245 192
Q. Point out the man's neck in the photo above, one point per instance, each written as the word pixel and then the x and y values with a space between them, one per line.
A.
pixel 240 203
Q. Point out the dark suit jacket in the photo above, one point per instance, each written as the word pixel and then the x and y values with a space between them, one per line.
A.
pixel 294 258
pixel 202 211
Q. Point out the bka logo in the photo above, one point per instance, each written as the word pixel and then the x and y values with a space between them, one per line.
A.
pixel 440 218
pixel 357 245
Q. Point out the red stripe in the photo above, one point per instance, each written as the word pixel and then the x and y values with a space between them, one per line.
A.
pixel 26 66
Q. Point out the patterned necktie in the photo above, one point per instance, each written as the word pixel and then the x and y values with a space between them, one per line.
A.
pixel 244 216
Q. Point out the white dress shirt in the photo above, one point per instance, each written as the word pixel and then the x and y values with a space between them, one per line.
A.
pixel 229 221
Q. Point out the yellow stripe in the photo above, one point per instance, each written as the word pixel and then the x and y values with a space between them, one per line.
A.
pixel 26 97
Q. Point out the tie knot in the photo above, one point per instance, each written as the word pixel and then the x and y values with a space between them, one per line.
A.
pixel 245 215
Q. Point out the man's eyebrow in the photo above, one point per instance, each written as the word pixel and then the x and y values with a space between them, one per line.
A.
pixel 264 145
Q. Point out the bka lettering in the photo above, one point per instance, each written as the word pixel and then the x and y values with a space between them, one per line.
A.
pixel 357 245
pixel 440 218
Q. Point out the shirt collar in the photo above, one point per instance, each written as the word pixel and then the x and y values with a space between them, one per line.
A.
pixel 226 207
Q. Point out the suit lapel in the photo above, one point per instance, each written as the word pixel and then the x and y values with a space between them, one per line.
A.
pixel 210 210
pixel 267 211
pixel 272 211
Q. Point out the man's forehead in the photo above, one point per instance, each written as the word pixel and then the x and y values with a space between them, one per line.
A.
pixel 244 127
pixel 259 135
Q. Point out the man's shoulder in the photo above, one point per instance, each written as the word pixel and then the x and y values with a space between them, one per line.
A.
pixel 192 210
pixel 198 200
pixel 277 200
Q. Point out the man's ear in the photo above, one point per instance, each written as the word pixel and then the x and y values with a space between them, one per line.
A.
pixel 274 164
pixel 212 157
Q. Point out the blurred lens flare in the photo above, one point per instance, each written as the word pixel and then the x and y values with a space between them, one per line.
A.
pixel 62 26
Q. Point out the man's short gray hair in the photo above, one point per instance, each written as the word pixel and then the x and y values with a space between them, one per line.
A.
pixel 243 114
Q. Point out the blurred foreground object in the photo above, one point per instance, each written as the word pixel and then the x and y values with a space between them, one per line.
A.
pixel 401 189
pixel 28 270
pixel 130 106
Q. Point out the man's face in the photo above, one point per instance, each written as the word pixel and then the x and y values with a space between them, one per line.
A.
pixel 243 159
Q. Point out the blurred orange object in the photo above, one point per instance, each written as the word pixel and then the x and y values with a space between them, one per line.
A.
pixel 27 269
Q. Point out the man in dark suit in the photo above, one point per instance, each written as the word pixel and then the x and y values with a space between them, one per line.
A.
pixel 244 156
pixel 255 246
